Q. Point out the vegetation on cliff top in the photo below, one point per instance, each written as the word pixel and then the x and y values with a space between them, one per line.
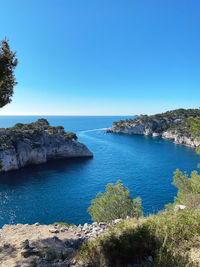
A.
pixel 32 132
pixel 176 121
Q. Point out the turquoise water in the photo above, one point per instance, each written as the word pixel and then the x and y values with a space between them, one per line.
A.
pixel 61 190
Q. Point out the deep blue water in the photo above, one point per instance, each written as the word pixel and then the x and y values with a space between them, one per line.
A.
pixel 61 190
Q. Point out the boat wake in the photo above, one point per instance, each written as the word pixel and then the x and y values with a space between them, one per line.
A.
pixel 93 130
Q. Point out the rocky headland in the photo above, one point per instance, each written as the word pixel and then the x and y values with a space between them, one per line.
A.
pixel 36 143
pixel 173 125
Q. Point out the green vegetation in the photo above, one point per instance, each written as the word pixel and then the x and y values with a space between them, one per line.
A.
pixel 165 237
pixel 30 133
pixel 188 189
pixel 195 129
pixel 71 135
pixel 115 203
pixel 63 224
pixel 168 239
pixel 177 121
pixel 188 185
pixel 8 63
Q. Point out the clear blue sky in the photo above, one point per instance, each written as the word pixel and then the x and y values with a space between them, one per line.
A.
pixel 103 57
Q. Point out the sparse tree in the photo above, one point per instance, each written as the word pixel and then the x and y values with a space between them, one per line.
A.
pixel 8 62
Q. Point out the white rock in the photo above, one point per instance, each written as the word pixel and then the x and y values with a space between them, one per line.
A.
pixel 179 207
pixel 117 220
pixel 50 146
pixel 63 229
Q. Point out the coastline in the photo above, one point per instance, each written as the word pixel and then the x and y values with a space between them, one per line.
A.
pixel 177 139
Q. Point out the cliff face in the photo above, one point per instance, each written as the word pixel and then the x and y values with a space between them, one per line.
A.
pixel 171 125
pixel 21 146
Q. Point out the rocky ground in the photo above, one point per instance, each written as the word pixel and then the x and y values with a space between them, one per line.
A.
pixel 24 245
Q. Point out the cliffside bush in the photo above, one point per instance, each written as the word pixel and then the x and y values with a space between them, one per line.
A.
pixel 165 237
pixel 195 129
pixel 71 135
pixel 115 203
pixel 188 189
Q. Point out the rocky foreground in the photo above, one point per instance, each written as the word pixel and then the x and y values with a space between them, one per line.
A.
pixel 173 125
pixel 46 245
pixel 36 143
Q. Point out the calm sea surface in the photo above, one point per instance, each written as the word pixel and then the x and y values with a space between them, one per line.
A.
pixel 61 190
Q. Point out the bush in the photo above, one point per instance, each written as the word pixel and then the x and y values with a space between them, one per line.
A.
pixel 114 203
pixel 71 135
pixel 166 237
pixel 188 189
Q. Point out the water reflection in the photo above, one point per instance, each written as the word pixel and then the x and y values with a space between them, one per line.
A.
pixel 40 172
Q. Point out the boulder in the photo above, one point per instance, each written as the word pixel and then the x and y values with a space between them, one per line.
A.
pixel 179 207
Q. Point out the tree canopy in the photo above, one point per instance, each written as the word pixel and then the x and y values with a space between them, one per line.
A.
pixel 8 63
pixel 115 203
pixel 195 129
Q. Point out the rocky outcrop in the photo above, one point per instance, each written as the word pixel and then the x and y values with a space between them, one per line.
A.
pixel 180 139
pixel 141 130
pixel 46 245
pixel 37 143
pixel 173 125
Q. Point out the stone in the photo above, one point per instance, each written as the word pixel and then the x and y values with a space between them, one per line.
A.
pixel 102 224
pixel 37 224
pixel 155 134
pixel 117 220
pixel 52 230
pixel 56 239
pixel 85 226
pixel 25 244
pixel 150 259
pixel 6 245
pixel 27 252
pixel 63 229
pixel 179 207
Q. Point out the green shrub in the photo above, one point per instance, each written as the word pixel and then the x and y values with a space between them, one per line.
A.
pixel 71 135
pixel 115 203
pixel 188 189
pixel 166 237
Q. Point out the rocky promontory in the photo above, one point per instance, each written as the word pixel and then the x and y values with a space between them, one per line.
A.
pixel 173 125
pixel 36 143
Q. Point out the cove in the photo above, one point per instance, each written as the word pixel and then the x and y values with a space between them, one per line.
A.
pixel 61 190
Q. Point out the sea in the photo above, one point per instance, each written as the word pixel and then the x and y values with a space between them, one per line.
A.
pixel 62 190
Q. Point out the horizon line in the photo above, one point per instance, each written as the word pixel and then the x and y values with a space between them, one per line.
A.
pixel 4 115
